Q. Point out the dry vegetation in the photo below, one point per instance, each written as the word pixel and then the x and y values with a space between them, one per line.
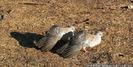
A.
pixel 23 21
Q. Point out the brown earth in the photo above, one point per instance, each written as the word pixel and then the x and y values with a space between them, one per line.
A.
pixel 23 21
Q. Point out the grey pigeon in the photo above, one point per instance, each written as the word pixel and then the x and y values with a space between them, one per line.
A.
pixel 52 37
pixel 64 42
pixel 80 41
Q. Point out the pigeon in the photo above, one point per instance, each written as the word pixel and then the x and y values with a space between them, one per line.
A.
pixel 81 41
pixel 53 36
pixel 64 42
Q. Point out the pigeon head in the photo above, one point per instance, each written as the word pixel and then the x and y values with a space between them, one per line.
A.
pixel 99 33
pixel 54 30
pixel 67 29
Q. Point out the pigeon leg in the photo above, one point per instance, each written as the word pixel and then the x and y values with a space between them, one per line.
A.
pixel 84 49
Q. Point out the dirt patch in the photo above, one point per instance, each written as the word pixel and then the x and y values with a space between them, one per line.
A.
pixel 22 22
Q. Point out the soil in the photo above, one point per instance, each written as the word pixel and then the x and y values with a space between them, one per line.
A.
pixel 24 21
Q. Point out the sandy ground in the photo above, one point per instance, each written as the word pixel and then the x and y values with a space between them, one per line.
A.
pixel 24 21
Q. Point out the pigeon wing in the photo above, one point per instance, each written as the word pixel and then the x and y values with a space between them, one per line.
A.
pixel 75 45
pixel 49 43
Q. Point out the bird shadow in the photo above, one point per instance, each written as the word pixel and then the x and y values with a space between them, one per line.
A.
pixel 26 39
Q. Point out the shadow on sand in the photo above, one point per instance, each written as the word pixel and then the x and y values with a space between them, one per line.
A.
pixel 26 39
